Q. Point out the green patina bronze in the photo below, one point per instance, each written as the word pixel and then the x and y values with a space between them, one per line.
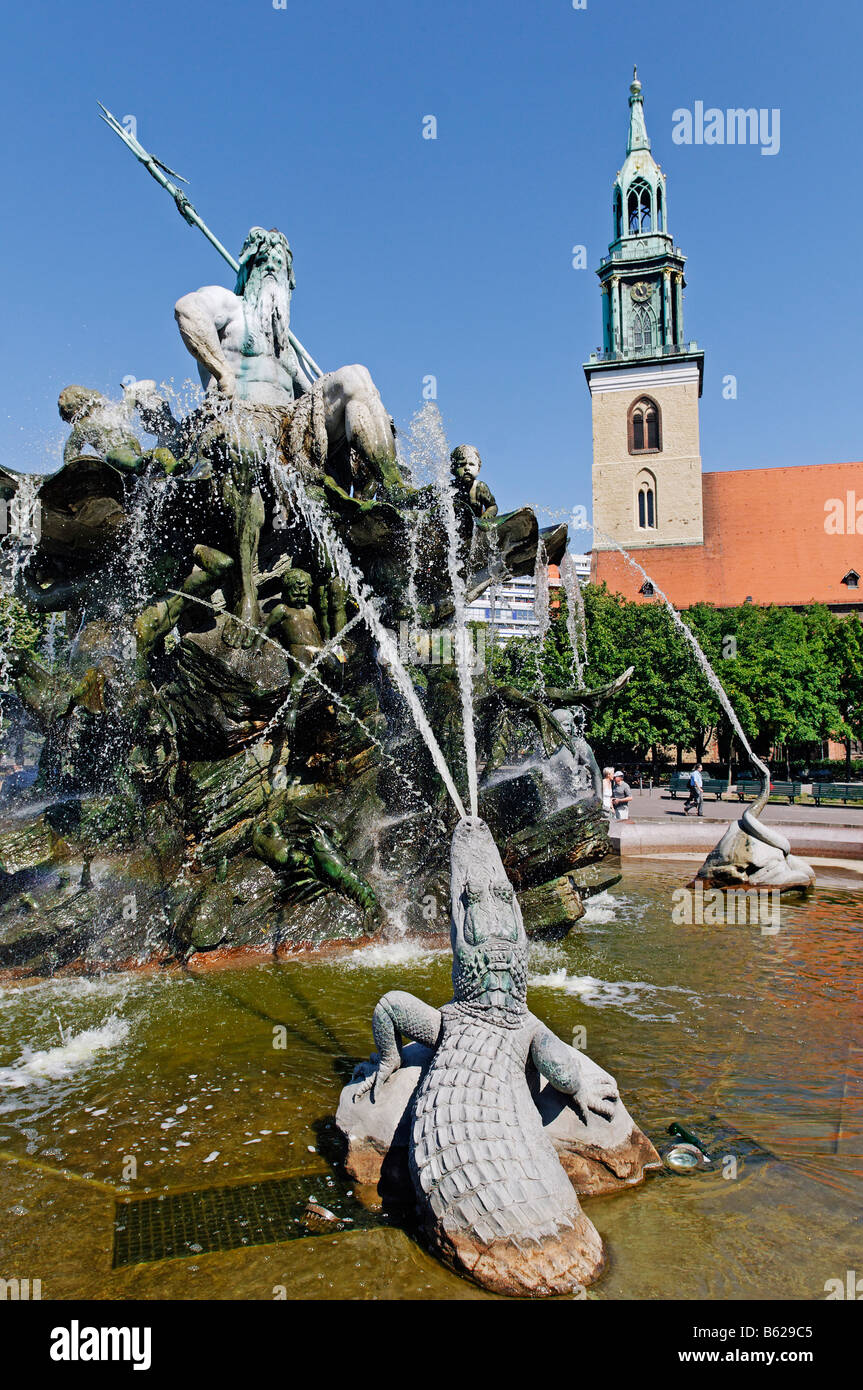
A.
pixel 217 699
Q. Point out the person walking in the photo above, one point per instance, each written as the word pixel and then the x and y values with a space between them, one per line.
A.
pixel 695 800
pixel 620 797
pixel 607 790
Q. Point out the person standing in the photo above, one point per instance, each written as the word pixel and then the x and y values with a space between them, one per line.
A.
pixel 621 797
pixel 696 792
pixel 607 790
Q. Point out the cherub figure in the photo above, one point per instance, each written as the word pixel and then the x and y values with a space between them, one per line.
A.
pixel 465 464
pixel 97 422
pixel 294 621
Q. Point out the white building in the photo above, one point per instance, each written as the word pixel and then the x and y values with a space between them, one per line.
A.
pixel 510 606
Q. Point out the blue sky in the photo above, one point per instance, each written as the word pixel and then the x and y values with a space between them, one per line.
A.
pixel 449 257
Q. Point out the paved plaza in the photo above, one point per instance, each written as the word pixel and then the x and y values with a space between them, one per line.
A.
pixel 657 804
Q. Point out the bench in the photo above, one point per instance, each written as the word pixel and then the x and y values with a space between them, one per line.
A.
pixel 789 789
pixel 751 786
pixel 680 783
pixel 747 786
pixel 837 791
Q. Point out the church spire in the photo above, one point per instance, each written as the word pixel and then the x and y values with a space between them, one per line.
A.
pixel 642 276
pixel 645 380
pixel 639 189
pixel 638 139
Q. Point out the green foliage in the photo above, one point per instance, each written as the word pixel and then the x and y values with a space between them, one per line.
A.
pixel 793 677
pixel 784 670
pixel 847 653
pixel 20 629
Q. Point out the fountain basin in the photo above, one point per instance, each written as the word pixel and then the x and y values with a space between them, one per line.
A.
pixel 640 986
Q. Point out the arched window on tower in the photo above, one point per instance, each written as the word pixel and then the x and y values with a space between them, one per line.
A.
pixel 660 210
pixel 638 210
pixel 618 214
pixel 643 328
pixel 645 427
pixel 645 501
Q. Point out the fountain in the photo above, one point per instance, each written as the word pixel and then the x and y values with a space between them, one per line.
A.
pixel 236 753
pixel 576 622
pixel 751 854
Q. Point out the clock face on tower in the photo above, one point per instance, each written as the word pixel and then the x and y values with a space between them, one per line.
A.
pixel 640 292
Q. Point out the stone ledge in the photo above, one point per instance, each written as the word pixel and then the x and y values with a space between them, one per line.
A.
pixel 636 839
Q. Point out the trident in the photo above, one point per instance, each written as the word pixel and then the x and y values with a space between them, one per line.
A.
pixel 189 214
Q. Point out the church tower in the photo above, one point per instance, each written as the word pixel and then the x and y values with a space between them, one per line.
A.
pixel 645 384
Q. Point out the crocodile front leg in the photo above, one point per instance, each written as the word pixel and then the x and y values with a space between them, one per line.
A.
pixel 574 1074
pixel 397 1015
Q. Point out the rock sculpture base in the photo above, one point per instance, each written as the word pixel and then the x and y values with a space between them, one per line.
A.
pixel 597 1158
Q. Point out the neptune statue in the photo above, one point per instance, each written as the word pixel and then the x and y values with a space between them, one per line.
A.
pixel 245 352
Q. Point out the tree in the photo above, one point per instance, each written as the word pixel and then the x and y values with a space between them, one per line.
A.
pixel 668 699
pixel 845 648
pixel 21 632
pixel 777 669
pixel 794 678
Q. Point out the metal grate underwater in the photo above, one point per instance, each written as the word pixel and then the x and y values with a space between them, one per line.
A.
pixel 174 1225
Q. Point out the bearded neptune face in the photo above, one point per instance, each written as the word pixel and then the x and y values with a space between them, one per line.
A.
pixel 264 282
pixel 489 943
pixel 265 253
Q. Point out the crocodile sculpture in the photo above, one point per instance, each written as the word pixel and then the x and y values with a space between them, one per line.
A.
pixel 493 1196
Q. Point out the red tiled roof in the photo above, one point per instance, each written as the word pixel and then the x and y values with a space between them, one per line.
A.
pixel 765 537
